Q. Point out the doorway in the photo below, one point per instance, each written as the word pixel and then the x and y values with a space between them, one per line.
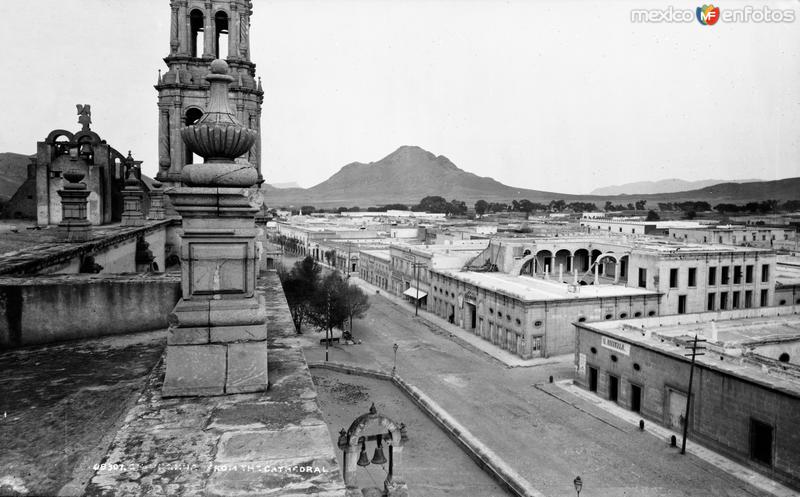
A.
pixel 592 379
pixel 636 398
pixel 676 409
pixel 613 388
pixel 472 314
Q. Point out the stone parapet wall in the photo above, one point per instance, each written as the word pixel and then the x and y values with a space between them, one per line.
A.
pixel 45 309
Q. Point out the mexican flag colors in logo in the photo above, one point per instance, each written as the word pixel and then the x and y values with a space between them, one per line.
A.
pixel 708 15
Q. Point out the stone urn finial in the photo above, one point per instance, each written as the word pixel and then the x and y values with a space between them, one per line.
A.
pixel 219 138
pixel 74 177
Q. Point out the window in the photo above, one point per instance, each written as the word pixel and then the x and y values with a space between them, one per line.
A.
pixel 712 276
pixel 736 303
pixel 681 304
pixel 737 275
pixel 673 278
pixel 712 301
pixel 692 276
pixel 760 442
pixel 725 279
pixel 723 300
pixel 748 273
pixel 748 299
pixel 765 273
pixel 642 277
pixel 764 297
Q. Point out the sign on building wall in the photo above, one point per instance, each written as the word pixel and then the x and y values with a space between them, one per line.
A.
pixel 581 364
pixel 616 345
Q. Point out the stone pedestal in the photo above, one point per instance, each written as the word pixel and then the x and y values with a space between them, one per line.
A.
pixel 157 201
pixel 132 214
pixel 217 341
pixel 74 225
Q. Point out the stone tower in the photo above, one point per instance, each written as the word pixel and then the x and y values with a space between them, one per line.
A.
pixel 201 31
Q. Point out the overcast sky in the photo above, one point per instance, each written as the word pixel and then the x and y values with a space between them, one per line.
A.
pixel 543 94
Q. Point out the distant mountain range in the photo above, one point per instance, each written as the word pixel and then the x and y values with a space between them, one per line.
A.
pixel 13 172
pixel 410 173
pixel 663 186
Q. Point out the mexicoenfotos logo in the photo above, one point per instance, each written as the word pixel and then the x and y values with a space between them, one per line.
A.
pixel 708 15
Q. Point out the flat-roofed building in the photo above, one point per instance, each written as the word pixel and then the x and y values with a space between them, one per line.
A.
pixel 527 316
pixel 745 399
pixel 411 265
pixel 752 236
pixel 543 284
pixel 374 267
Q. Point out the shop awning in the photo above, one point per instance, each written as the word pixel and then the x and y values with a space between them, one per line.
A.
pixel 412 292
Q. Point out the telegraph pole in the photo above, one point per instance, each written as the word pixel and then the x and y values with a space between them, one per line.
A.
pixel 328 327
pixel 694 354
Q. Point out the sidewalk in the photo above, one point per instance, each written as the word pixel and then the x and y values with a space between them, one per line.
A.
pixel 733 468
pixel 507 358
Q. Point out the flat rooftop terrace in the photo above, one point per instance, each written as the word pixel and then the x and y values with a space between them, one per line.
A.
pixel 531 289
pixel 670 334
pixel 28 250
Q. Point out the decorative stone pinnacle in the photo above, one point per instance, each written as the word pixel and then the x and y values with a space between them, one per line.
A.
pixel 219 137
pixel 74 177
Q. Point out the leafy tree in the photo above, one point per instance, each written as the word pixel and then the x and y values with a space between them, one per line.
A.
pixel 653 216
pixel 299 285
pixel 330 256
pixel 356 303
pixel 640 205
pixel 457 208
pixel 480 207
pixel 395 207
pixel 609 206
pixel 308 209
pixel 434 204
pixel 326 307
pixel 557 205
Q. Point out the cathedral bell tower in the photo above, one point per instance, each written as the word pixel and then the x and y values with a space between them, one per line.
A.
pixel 201 31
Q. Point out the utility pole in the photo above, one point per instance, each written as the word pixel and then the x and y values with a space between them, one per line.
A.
pixel 328 326
pixel 416 277
pixel 694 354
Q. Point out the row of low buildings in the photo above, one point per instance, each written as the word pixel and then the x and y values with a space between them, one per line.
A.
pixel 707 232
pixel 523 294
pixel 626 306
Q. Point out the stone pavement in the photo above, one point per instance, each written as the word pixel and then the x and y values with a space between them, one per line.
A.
pixel 507 358
pixel 273 443
pixel 545 439
pixel 745 474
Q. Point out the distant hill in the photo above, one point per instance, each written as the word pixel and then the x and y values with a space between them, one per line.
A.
pixel 405 176
pixel 662 186
pixel 13 172
pixel 292 184
pixel 410 173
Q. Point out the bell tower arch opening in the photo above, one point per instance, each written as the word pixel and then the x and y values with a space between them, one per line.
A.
pixel 193 114
pixel 222 30
pixel 196 31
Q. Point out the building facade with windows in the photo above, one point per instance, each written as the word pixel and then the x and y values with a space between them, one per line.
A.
pixel 523 294
pixel 530 317
pixel 745 399
pixel 753 236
